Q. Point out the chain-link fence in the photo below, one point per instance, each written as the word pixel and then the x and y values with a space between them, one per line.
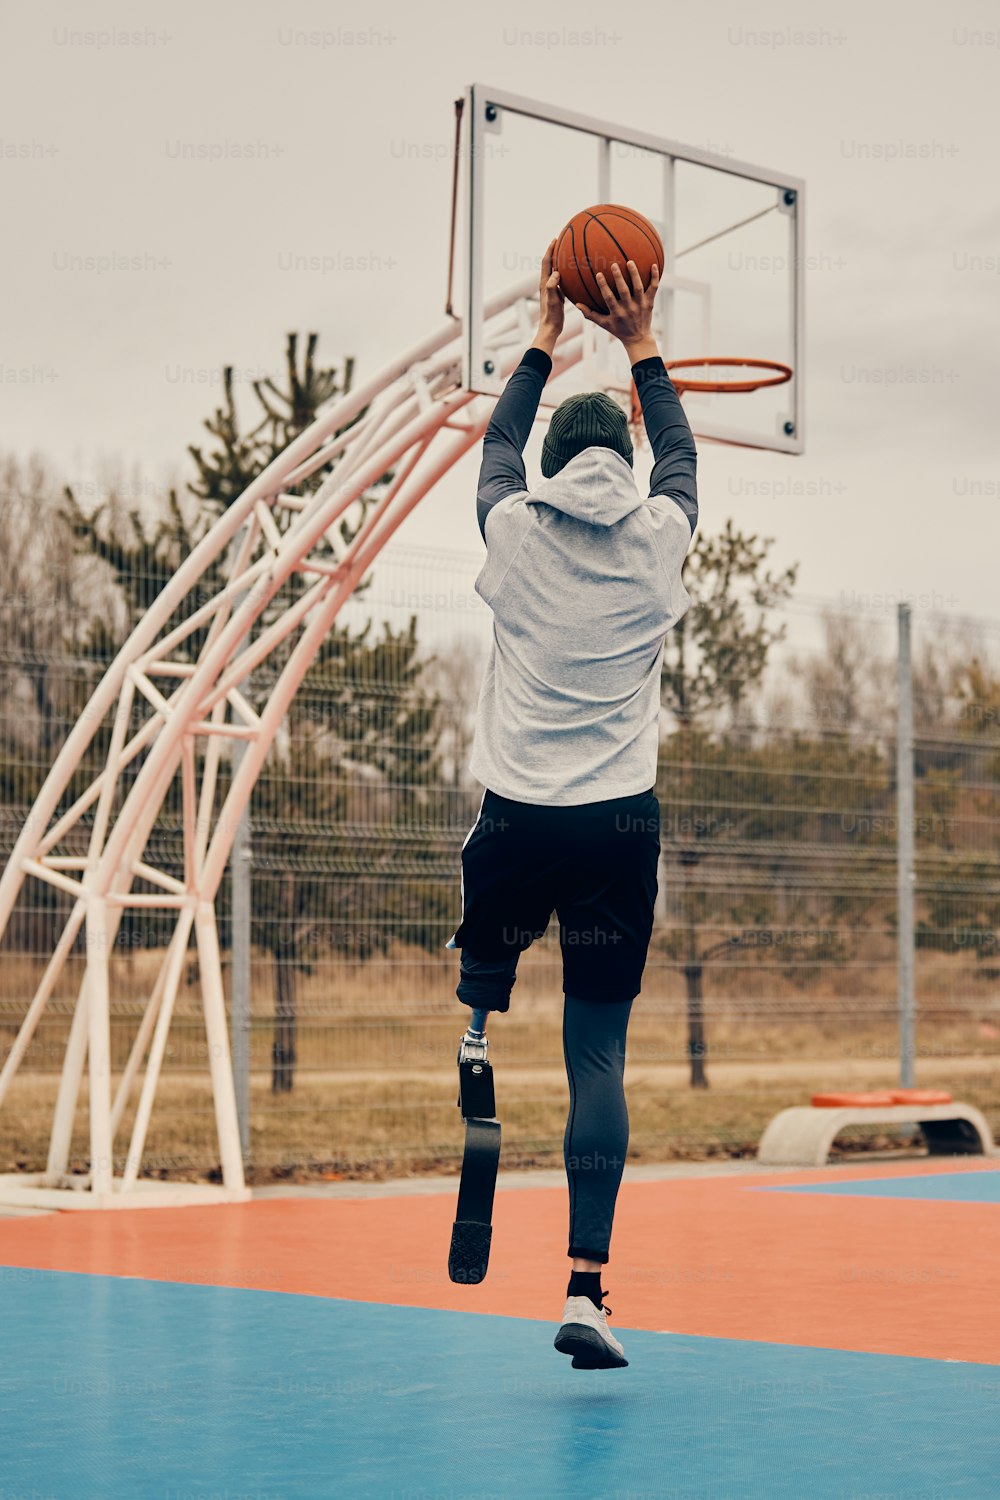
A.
pixel 774 964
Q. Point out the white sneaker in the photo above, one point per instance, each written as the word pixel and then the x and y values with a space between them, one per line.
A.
pixel 585 1334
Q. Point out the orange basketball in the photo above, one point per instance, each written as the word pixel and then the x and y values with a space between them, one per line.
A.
pixel 594 240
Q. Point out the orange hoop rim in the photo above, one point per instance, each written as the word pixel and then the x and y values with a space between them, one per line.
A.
pixel 773 372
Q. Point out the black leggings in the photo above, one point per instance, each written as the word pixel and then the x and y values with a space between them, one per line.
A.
pixel 596 1137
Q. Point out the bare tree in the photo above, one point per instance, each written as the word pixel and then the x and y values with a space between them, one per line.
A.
pixel 847 684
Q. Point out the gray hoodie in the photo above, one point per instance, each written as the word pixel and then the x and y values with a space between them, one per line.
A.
pixel 583 577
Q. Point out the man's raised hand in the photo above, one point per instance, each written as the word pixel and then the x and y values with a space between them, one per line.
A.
pixel 629 315
pixel 551 304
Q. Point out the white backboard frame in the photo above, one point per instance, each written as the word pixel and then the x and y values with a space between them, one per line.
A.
pixel 483 114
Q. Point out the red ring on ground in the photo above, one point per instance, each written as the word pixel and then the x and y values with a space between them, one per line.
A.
pixel 874 1099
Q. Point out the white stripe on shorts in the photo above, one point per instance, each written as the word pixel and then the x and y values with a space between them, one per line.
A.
pixel 451 941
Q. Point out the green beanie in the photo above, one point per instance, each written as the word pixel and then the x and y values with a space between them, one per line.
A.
pixel 591 420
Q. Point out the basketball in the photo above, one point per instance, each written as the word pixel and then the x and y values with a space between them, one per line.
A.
pixel 596 238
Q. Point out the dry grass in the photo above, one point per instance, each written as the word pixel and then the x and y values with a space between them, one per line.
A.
pixel 408 978
pixel 375 1084
pixel 382 1127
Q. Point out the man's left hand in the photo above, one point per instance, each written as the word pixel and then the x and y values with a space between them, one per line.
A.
pixel 551 305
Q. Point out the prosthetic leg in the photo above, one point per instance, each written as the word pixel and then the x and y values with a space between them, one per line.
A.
pixel 472 1231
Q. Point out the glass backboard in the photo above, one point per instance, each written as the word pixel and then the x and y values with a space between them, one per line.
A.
pixel 732 235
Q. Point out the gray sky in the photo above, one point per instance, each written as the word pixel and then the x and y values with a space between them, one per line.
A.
pixel 889 111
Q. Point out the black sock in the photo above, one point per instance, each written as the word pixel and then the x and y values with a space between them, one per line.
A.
pixel 585 1284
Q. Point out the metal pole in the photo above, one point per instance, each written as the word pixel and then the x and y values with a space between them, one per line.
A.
pixel 239 878
pixel 240 1020
pixel 667 308
pixel 596 338
pixel 905 870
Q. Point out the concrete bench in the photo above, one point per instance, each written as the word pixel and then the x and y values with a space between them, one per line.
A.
pixel 802 1136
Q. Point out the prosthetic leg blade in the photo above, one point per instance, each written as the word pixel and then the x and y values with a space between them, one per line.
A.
pixel 469 1257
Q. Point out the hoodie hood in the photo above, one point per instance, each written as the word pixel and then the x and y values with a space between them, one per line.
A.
pixel 596 486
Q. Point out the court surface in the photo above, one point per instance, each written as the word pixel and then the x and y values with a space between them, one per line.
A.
pixel 829 1333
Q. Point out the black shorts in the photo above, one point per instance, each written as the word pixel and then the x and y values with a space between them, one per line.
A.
pixel 594 865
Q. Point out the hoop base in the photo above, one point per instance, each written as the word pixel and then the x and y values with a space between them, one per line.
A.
pixel 38 1191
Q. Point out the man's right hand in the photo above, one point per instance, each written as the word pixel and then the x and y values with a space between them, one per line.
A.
pixel 629 315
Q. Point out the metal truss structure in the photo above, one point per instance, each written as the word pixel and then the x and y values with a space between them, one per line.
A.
pixel 280 541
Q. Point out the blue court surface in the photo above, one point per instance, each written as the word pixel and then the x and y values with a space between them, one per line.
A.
pixel 944 1187
pixel 136 1388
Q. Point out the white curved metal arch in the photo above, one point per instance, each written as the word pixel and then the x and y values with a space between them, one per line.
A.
pixel 417 421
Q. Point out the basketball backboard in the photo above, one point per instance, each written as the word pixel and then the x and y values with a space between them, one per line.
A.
pixel 733 236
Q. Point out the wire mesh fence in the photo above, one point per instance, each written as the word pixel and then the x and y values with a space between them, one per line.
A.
pixel 773 968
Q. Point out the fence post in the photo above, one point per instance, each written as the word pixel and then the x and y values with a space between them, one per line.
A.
pixel 239 876
pixel 240 860
pixel 905 868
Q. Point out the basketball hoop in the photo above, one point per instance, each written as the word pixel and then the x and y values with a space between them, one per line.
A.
pixel 723 374
pixel 719 375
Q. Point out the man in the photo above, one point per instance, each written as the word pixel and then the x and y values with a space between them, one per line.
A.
pixel 584 580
